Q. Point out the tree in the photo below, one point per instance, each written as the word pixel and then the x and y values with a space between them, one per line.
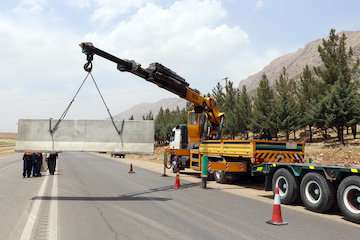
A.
pixel 263 112
pixel 231 126
pixel 342 107
pixel 309 94
pixel 244 111
pixel 285 104
pixel 218 94
pixel 131 117
pixel 166 120
pixel 340 103
pixel 148 116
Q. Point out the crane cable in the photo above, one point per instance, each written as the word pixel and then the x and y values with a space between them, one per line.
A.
pixel 63 115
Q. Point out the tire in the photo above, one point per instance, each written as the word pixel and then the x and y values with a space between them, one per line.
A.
pixel 220 176
pixel 288 186
pixel 348 198
pixel 210 176
pixel 175 163
pixel 316 192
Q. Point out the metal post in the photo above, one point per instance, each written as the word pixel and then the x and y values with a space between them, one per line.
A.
pixel 165 161
pixel 204 171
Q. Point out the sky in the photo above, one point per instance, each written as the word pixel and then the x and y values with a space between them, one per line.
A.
pixel 202 40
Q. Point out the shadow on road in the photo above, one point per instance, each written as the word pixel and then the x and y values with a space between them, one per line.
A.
pixel 101 198
pixel 126 197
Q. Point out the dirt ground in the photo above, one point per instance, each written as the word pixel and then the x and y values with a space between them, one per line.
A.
pixel 322 153
pixel 7 143
pixel 333 153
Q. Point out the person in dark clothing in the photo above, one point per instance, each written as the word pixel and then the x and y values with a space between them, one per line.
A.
pixel 40 158
pixel 51 160
pixel 27 159
pixel 36 163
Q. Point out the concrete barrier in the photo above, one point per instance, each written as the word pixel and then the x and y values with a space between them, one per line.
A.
pixel 85 136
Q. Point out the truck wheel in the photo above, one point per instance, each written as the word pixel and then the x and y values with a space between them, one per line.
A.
pixel 316 192
pixel 220 176
pixel 211 176
pixel 348 197
pixel 287 184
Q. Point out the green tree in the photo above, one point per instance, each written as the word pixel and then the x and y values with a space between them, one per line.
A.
pixel 244 111
pixel 340 103
pixel 231 126
pixel 263 110
pixel 166 120
pixel 218 94
pixel 309 94
pixel 285 104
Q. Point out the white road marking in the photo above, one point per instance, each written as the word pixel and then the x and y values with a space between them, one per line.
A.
pixel 34 212
pixel 53 212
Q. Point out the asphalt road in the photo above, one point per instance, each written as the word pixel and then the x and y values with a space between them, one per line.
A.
pixel 95 198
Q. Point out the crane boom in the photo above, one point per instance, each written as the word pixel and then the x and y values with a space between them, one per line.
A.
pixel 164 78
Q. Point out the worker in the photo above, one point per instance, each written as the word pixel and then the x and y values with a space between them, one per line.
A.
pixel 40 159
pixel 35 164
pixel 27 159
pixel 51 160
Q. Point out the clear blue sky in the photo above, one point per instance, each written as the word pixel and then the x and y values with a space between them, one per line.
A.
pixel 202 40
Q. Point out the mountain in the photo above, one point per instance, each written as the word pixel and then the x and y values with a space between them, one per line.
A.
pixel 295 62
pixel 142 109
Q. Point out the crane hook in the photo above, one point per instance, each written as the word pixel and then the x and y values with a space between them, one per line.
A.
pixel 88 66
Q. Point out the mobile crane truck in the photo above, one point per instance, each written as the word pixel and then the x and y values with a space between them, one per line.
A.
pixel 319 187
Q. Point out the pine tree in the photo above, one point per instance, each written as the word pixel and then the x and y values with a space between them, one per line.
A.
pixel 244 111
pixel 229 107
pixel 165 121
pixel 342 107
pixel 131 117
pixel 159 120
pixel 309 94
pixel 285 104
pixel 340 103
pixel 218 94
pixel 263 110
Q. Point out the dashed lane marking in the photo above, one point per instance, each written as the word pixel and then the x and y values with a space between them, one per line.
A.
pixel 53 220
pixel 34 212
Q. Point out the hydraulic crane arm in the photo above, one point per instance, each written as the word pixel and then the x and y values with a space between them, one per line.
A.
pixel 164 78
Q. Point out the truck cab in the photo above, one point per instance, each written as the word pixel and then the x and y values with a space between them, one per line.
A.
pixel 179 138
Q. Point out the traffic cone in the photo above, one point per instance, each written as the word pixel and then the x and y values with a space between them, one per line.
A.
pixel 276 214
pixel 177 180
pixel 131 169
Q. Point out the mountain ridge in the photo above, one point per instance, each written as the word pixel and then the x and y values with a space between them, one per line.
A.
pixel 139 110
pixel 294 62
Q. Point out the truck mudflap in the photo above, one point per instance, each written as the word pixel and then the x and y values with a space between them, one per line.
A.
pixel 228 166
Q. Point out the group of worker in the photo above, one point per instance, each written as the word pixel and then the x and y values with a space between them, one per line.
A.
pixel 33 162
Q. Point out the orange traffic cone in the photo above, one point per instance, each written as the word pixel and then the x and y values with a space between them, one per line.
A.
pixel 177 180
pixel 276 214
pixel 131 169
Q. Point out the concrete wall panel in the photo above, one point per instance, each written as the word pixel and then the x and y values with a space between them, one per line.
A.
pixel 85 135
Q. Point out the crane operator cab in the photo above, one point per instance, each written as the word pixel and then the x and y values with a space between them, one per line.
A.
pixel 186 137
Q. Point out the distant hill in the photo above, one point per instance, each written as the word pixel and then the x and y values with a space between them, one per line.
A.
pixel 295 62
pixel 142 109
